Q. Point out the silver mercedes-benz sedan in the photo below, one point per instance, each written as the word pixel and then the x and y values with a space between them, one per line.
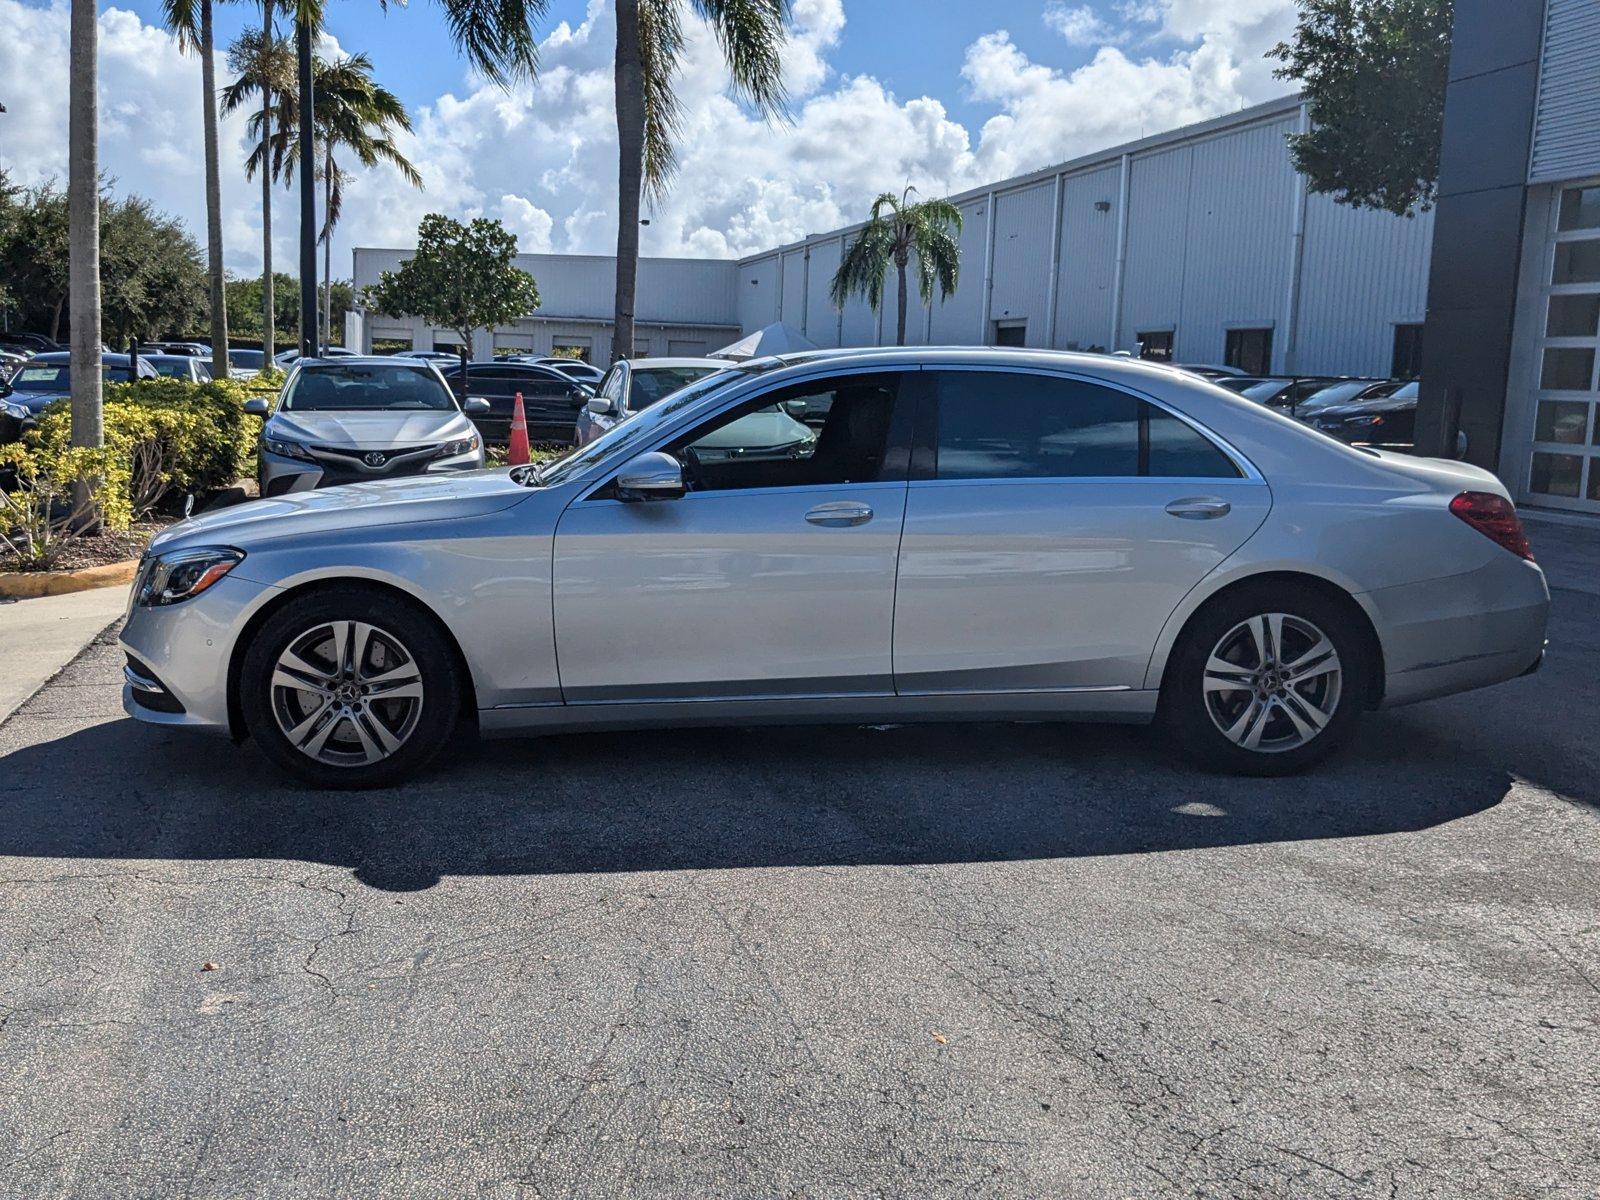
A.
pixel 971 534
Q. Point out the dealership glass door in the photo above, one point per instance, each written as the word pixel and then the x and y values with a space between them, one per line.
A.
pixel 1563 470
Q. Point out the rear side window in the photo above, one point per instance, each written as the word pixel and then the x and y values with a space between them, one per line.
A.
pixel 1005 425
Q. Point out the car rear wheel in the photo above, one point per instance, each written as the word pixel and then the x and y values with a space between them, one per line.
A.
pixel 1266 680
pixel 350 689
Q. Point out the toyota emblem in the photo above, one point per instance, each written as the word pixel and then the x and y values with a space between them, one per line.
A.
pixel 374 458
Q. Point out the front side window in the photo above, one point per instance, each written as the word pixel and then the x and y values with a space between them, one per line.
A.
pixel 771 443
pixel 366 387
pixel 1010 425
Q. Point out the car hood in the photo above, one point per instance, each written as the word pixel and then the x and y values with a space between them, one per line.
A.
pixel 758 430
pixel 1338 412
pixel 35 402
pixel 369 430
pixel 353 507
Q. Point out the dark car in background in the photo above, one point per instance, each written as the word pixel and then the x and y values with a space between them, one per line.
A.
pixel 28 343
pixel 1284 392
pixel 1385 414
pixel 46 378
pixel 551 400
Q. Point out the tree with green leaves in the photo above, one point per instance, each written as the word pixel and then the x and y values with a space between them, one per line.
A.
pixel 245 305
pixel 355 115
pixel 897 228
pixel 649 46
pixel 263 64
pixel 1374 76
pixel 152 283
pixel 462 278
pixel 191 20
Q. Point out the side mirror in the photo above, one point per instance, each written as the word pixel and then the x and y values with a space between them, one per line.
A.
pixel 600 405
pixel 653 476
pixel 475 406
pixel 256 406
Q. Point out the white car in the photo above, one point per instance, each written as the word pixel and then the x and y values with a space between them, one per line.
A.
pixel 633 385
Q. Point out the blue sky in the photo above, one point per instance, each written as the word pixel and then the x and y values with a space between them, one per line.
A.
pixel 885 93
pixel 914 47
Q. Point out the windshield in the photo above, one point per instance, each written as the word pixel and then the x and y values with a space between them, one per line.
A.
pixel 1263 391
pixel 245 358
pixel 652 383
pixel 367 387
pixel 55 377
pixel 636 430
pixel 173 368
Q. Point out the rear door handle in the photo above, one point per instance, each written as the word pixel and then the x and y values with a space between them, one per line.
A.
pixel 1200 508
pixel 837 514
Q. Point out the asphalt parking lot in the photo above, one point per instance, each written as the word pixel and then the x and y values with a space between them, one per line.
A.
pixel 1018 960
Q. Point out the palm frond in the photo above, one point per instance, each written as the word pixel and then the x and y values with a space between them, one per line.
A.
pixel 497 36
pixel 182 17
pixel 660 45
pixel 752 34
pixel 864 264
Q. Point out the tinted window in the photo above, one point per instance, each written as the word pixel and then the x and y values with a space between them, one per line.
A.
pixel 999 425
pixel 652 383
pixel 767 443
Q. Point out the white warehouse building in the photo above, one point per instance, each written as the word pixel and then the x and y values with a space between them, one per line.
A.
pixel 1201 245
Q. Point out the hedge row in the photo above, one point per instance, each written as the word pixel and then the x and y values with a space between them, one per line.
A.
pixel 164 438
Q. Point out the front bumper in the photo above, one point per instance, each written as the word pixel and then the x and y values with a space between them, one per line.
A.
pixel 1451 635
pixel 178 656
pixel 278 474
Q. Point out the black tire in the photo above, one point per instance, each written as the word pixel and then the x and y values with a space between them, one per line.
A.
pixel 397 633
pixel 1195 717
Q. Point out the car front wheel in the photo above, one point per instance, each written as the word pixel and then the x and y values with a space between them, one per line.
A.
pixel 1266 680
pixel 349 688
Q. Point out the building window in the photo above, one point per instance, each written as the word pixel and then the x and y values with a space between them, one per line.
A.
pixel 1010 333
pixel 1249 350
pixel 1407 361
pixel 570 348
pixel 1156 345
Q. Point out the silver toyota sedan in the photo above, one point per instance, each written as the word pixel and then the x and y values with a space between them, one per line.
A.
pixel 972 534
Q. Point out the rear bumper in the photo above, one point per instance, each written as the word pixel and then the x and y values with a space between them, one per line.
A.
pixel 1451 635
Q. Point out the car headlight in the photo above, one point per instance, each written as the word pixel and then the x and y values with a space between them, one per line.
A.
pixel 460 446
pixel 183 574
pixel 285 447
pixel 1366 421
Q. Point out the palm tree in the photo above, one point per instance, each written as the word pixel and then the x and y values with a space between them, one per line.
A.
pixel 191 21
pixel 354 114
pixel 649 45
pixel 896 228
pixel 264 64
pixel 83 226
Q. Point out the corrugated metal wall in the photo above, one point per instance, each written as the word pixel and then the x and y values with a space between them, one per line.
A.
pixel 1566 127
pixel 1210 247
pixel 1088 259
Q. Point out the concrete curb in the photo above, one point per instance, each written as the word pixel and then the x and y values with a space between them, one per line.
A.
pixel 31 585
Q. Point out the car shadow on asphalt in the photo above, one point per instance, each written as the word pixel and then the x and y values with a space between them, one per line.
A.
pixel 729 798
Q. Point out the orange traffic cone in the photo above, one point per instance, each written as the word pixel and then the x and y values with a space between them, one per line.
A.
pixel 517 454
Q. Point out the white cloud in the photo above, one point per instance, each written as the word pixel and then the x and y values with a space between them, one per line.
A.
pixel 1081 25
pixel 542 157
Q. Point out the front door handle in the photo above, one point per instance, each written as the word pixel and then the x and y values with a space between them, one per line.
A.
pixel 1200 508
pixel 837 514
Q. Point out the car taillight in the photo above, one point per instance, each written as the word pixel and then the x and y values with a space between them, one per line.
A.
pixel 1496 518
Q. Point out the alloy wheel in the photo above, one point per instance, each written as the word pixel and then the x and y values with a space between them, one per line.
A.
pixel 1272 683
pixel 346 693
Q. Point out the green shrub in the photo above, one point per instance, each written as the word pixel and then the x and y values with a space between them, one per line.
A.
pixel 46 509
pixel 164 436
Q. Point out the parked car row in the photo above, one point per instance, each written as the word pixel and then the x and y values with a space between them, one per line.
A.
pixel 1360 411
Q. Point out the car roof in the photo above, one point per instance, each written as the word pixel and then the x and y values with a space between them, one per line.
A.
pixel 719 363
pixel 65 356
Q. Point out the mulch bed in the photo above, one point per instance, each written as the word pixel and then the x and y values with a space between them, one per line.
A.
pixel 111 546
